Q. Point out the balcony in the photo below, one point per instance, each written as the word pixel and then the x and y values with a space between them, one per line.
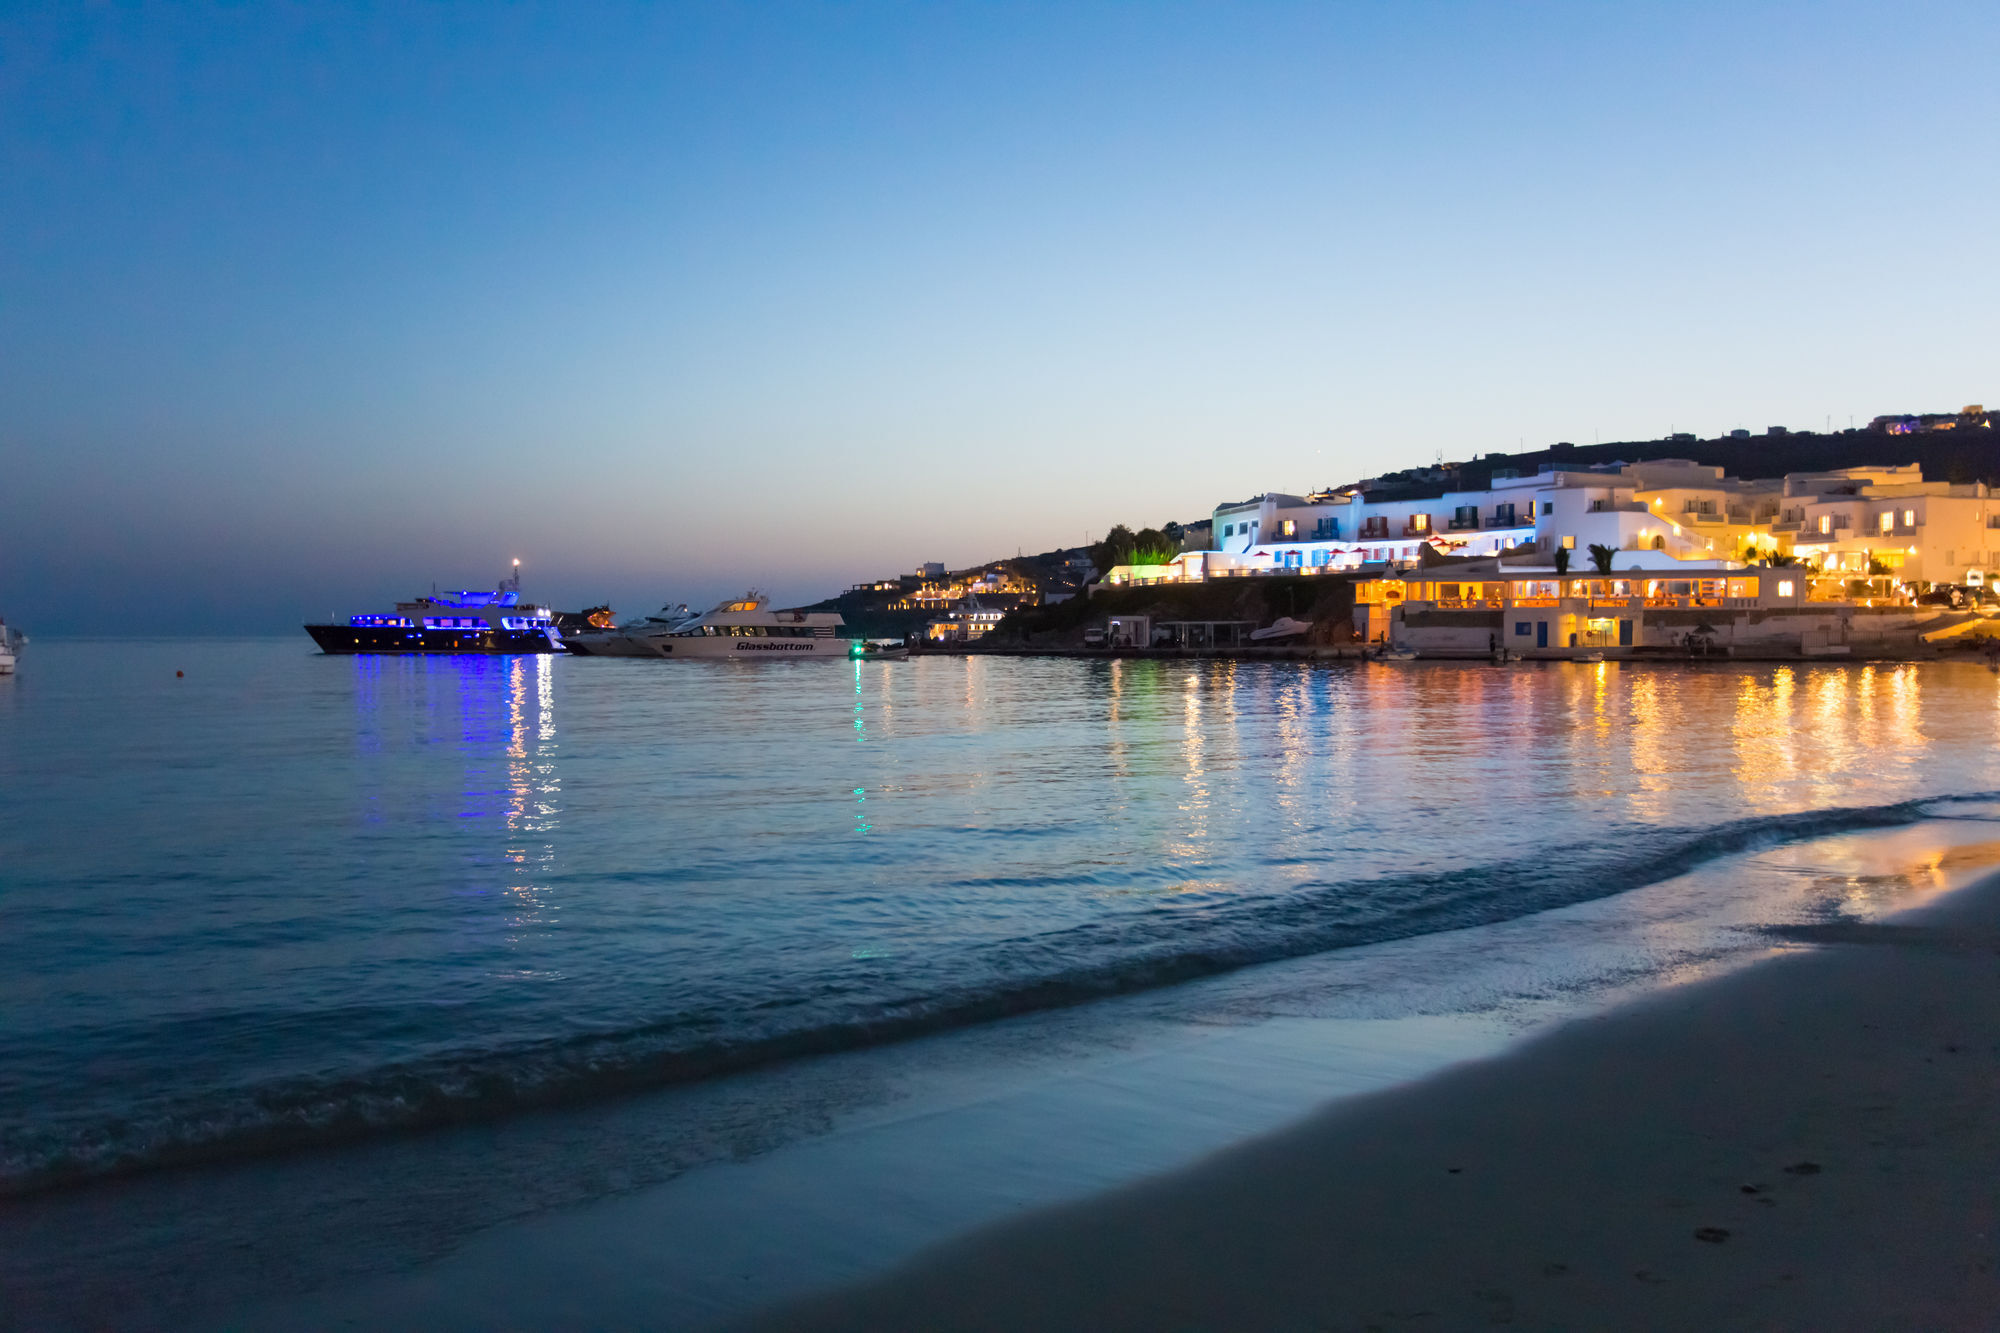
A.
pixel 1509 521
pixel 1462 525
pixel 1412 530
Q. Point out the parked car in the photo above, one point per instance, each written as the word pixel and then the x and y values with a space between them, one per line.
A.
pixel 1093 637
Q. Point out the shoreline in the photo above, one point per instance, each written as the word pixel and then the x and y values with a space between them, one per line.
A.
pixel 1806 1143
pixel 1367 653
pixel 1052 1111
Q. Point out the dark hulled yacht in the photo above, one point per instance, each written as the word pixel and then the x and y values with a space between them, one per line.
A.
pixel 450 622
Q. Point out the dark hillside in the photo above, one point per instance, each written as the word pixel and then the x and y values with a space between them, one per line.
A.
pixel 1327 601
pixel 1958 456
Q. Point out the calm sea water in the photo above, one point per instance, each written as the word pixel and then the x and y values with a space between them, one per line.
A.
pixel 289 898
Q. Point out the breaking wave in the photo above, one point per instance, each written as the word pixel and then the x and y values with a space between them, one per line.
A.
pixel 1160 945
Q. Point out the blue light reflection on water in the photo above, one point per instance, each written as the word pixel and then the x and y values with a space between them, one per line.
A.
pixel 294 867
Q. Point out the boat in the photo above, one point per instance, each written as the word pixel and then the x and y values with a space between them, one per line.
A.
pixel 747 629
pixel 586 621
pixel 467 621
pixel 879 650
pixel 1395 653
pixel 1591 657
pixel 11 643
pixel 1284 627
pixel 635 638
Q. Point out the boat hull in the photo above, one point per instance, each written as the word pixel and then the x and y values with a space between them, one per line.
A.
pixel 351 639
pixel 711 647
pixel 608 644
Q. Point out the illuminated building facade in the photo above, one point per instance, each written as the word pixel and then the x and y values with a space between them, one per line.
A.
pixel 1859 522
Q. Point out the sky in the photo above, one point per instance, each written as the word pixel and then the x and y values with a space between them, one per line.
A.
pixel 306 308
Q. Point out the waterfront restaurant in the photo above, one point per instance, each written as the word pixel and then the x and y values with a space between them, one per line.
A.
pixel 1647 602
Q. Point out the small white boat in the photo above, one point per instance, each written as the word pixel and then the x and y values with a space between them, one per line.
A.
pixel 11 643
pixel 878 650
pixel 1284 627
pixel 1590 657
pixel 1396 653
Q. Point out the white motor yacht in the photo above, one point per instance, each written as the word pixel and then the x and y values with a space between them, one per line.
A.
pixel 746 629
pixel 635 638
pixel 11 642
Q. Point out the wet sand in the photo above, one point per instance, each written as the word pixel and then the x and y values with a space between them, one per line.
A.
pixel 1811 1143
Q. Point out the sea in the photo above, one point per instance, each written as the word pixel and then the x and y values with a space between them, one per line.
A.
pixel 259 905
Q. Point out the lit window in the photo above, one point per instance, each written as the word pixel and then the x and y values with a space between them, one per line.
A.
pixel 1888 520
pixel 1825 524
pixel 1288 528
pixel 1569 543
pixel 1909 518
pixel 1785 587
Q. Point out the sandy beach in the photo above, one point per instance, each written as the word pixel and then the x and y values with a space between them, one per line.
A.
pixel 1810 1143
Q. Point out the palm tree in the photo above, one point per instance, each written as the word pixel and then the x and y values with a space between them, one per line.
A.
pixel 1601 557
pixel 1562 561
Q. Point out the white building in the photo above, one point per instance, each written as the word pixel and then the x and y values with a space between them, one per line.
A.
pixel 1891 519
pixel 1884 519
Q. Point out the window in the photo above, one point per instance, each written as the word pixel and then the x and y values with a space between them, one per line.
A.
pixel 1548 507
pixel 1888 519
pixel 1825 524
pixel 1521 627
pixel 1569 543
pixel 1288 528
pixel 1420 523
pixel 1785 587
pixel 1229 529
pixel 1909 518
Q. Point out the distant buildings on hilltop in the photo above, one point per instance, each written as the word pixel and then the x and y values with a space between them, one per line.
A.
pixel 1660 535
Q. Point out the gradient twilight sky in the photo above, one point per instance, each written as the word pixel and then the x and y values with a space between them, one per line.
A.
pixel 305 307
